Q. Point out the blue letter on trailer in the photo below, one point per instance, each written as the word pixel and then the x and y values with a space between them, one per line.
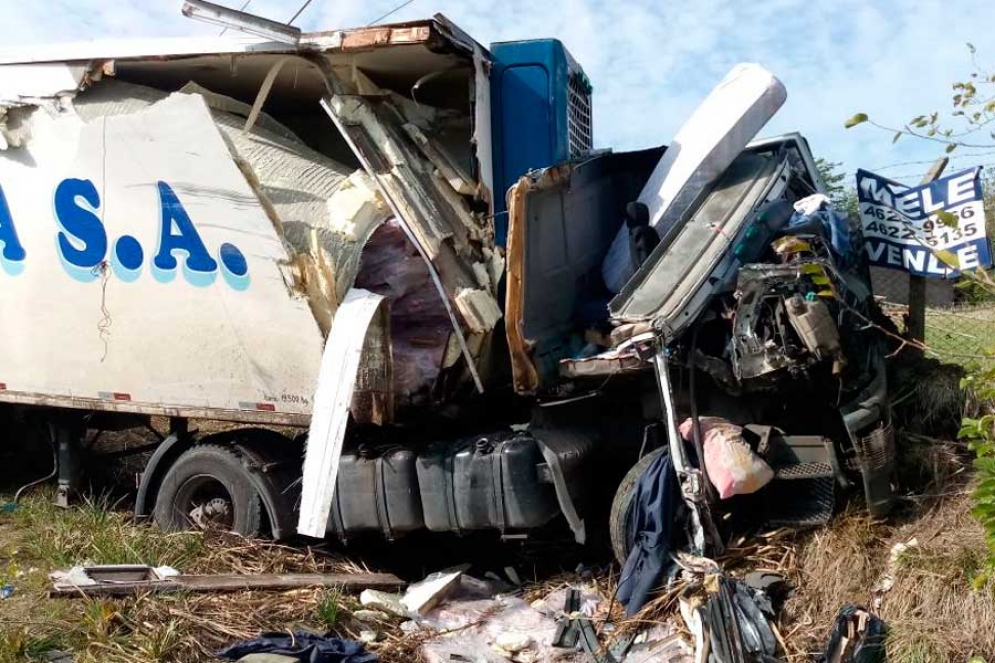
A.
pixel 199 263
pixel 83 240
pixel 13 253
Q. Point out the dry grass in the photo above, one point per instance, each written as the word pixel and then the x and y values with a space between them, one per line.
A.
pixel 154 627
pixel 942 605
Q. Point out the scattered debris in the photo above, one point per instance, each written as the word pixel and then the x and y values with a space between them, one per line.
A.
pixel 499 628
pixel 6 591
pixel 858 637
pixel 301 646
pixel 120 580
pixel 729 620
pixel 427 594
pixel 385 601
pixel 513 576
pixel 512 643
pixel 887 579
pixel 661 644
pixel 370 616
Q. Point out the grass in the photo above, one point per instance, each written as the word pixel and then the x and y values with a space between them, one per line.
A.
pixel 38 538
pixel 329 609
pixel 96 533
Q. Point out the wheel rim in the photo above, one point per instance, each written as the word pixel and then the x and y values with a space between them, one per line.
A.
pixel 204 502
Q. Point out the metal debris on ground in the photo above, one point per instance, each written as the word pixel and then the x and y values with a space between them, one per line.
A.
pixel 858 637
pixel 730 621
pixel 663 643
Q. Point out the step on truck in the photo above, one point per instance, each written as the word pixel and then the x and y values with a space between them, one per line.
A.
pixel 379 280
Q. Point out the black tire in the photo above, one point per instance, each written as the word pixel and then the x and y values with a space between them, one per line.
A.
pixel 618 521
pixel 209 475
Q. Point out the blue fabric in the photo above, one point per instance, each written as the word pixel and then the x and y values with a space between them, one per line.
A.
pixel 651 520
pixel 305 647
pixel 835 227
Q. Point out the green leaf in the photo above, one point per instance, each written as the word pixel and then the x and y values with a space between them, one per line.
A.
pixel 947 218
pixel 898 134
pixel 859 118
pixel 971 48
pixel 950 148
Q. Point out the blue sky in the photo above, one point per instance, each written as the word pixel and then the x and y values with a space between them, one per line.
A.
pixel 652 61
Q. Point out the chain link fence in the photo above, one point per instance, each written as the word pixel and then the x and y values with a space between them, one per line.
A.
pixel 957 331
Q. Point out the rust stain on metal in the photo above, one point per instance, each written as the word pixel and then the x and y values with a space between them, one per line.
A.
pixel 383 36
pixel 524 374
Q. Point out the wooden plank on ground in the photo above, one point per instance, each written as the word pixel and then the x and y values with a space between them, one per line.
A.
pixel 351 582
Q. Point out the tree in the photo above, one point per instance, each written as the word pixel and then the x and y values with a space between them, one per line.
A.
pixel 839 186
pixel 969 123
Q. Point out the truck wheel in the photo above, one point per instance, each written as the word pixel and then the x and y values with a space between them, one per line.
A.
pixel 621 537
pixel 208 488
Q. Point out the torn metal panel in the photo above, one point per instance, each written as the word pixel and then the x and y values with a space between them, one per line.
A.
pixel 421 32
pixel 323 213
pixel 365 158
pixel 524 374
pixel 25 86
pixel 336 384
pixel 439 219
pixel 479 308
pixel 365 38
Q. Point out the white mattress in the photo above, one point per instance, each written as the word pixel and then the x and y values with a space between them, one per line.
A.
pixel 729 118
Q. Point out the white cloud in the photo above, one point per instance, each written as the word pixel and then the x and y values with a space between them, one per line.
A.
pixel 650 61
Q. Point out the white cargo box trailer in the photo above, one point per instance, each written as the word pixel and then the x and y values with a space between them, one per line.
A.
pixel 182 224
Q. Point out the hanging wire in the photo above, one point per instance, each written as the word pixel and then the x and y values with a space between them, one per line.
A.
pixel 392 11
pixel 241 9
pixel 299 12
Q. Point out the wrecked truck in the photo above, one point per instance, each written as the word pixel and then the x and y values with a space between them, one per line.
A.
pixel 357 280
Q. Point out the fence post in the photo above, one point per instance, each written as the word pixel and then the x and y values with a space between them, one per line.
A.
pixel 916 326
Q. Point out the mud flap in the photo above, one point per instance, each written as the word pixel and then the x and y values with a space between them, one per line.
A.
pixel 565 452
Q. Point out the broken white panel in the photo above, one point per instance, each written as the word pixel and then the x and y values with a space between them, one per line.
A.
pixel 336 384
pixel 35 83
pixel 138 48
pixel 482 123
pixel 715 134
pixel 134 332
pixel 298 187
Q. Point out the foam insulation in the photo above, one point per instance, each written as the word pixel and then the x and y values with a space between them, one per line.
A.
pixel 440 220
pixel 479 308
